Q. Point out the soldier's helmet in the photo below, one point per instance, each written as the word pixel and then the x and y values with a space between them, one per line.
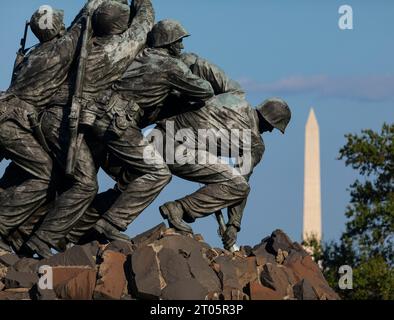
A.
pixel 166 32
pixel 47 23
pixel 111 18
pixel 276 112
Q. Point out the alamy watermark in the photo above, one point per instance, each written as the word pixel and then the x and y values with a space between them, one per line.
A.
pixel 345 21
pixel 346 279
pixel 201 147
pixel 46 20
pixel 46 278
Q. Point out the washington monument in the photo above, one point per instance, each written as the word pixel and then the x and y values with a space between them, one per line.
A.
pixel 312 193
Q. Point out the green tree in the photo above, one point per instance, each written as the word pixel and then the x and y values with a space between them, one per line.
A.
pixel 367 243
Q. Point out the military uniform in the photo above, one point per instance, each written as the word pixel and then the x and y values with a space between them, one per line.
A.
pixel 154 76
pixel 18 144
pixel 228 110
pixel 110 119
pixel 148 81
pixel 35 81
pixel 225 187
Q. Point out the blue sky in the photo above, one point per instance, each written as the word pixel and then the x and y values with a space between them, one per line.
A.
pixel 291 49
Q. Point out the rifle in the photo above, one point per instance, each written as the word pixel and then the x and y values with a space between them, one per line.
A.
pixel 76 105
pixel 22 49
pixel 222 228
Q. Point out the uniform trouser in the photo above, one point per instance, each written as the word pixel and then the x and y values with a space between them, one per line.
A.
pixel 224 186
pixel 79 192
pixel 140 172
pixel 23 195
pixel 12 177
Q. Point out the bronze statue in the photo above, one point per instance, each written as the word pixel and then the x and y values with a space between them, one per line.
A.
pixel 103 66
pixel 35 82
pixel 79 100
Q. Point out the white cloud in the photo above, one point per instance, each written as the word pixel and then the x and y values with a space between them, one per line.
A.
pixel 371 88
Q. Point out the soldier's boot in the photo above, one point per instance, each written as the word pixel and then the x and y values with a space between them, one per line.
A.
pixel 4 247
pixel 109 231
pixel 173 212
pixel 39 247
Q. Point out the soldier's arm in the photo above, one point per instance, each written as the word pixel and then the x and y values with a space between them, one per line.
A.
pixel 134 39
pixel 90 7
pixel 189 85
pixel 73 34
pixel 206 70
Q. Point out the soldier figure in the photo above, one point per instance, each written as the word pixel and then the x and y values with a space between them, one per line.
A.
pixel 154 74
pixel 223 188
pixel 228 110
pixel 114 45
pixel 123 86
pixel 35 81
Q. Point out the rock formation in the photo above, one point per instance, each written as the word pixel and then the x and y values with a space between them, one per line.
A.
pixel 162 264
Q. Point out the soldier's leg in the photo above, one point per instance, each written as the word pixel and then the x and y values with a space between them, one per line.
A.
pixel 19 201
pixel 74 201
pixel 82 231
pixel 12 177
pixel 224 187
pixel 143 177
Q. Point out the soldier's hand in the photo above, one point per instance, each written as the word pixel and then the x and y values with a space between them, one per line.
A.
pixel 230 237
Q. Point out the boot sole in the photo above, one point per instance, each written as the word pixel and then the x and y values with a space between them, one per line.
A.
pixel 166 215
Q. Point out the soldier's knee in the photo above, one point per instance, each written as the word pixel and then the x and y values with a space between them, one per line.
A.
pixel 90 186
pixel 242 185
pixel 161 173
pixel 164 174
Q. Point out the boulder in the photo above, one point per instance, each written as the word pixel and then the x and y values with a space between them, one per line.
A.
pixel 185 243
pixel 124 247
pixel 9 259
pixel 146 278
pixel 227 273
pixel 211 254
pixel 79 287
pixel 230 293
pixel 186 289
pixel 149 236
pixel 61 276
pixel 246 250
pixel 246 270
pixel 163 264
pixel 173 266
pixel 304 267
pixel 75 256
pixel 262 254
pixel 26 265
pixel 303 290
pixel 15 295
pixel 278 278
pixel 15 279
pixel 111 281
pixel 277 244
pixel 191 253
pixel 259 292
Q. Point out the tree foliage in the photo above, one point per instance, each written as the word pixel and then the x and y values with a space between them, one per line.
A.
pixel 367 243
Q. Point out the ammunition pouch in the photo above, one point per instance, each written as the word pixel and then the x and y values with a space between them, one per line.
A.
pixel 110 114
pixel 123 113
